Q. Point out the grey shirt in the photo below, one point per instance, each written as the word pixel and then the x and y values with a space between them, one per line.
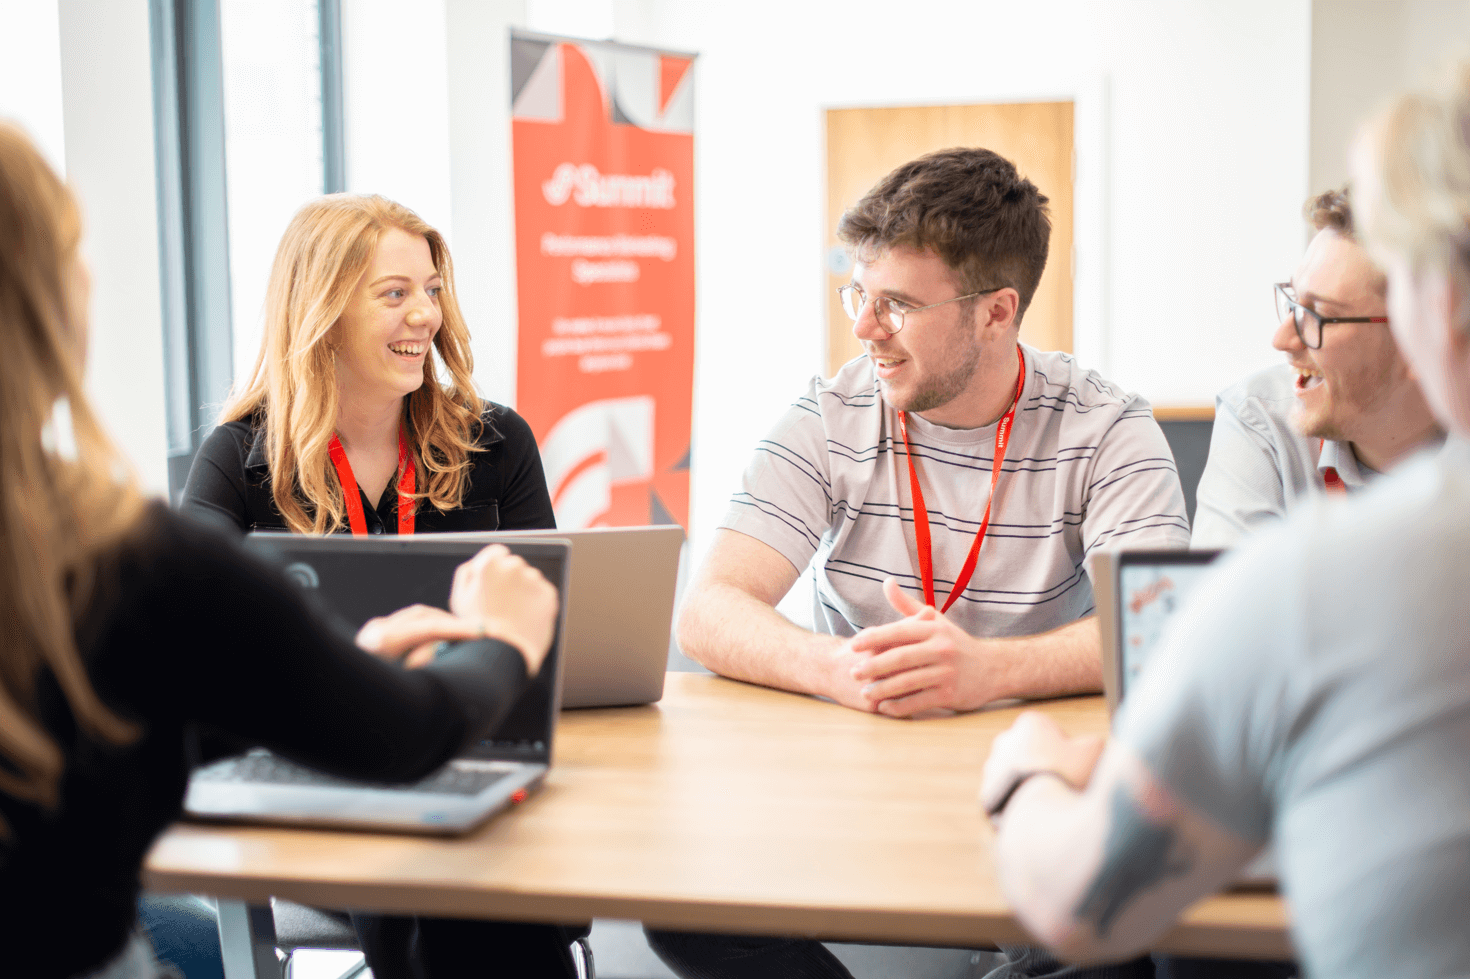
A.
pixel 1260 467
pixel 1315 691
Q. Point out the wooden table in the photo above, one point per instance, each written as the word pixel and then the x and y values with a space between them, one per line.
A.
pixel 725 807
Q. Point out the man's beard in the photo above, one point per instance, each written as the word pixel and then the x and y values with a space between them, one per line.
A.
pixel 1359 394
pixel 941 390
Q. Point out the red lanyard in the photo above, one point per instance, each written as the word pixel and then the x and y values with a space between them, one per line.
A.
pixel 353 498
pixel 1331 481
pixel 921 514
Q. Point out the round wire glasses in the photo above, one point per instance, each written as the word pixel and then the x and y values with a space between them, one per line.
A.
pixel 889 312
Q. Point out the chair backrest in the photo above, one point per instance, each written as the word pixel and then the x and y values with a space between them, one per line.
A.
pixel 1189 439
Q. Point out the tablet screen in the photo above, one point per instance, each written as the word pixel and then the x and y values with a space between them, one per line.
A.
pixel 1150 592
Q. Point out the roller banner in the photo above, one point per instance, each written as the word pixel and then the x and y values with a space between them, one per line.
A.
pixel 603 167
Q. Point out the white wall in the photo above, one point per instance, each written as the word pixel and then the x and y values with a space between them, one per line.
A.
pixel 478 64
pixel 107 99
pixel 1206 170
pixel 30 74
pixel 577 18
pixel 76 75
pixel 396 103
pixel 428 124
pixel 1363 52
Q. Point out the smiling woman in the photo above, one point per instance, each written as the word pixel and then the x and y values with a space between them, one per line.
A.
pixel 345 424
pixel 346 402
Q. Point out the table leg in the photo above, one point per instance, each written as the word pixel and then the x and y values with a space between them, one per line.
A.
pixel 247 938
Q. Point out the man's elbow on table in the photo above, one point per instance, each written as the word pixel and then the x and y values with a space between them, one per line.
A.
pixel 1075 941
pixel 731 600
pixel 1046 903
pixel 1053 912
pixel 691 628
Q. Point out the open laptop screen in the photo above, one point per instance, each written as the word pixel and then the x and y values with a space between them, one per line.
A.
pixel 1152 585
pixel 354 579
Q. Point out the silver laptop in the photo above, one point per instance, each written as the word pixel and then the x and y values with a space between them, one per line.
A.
pixel 351 580
pixel 1137 593
pixel 620 608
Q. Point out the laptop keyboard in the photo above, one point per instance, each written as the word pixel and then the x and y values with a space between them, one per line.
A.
pixel 260 767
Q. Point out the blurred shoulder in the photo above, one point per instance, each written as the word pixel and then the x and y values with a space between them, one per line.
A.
pixel 181 540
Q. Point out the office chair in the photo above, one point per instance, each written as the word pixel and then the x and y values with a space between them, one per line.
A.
pixel 582 959
pixel 298 926
pixel 258 940
pixel 1189 440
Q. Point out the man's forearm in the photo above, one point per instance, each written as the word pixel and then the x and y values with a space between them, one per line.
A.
pixel 1064 661
pixel 741 637
pixel 1134 858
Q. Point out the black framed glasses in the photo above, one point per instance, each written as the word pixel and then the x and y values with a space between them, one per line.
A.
pixel 1308 321
pixel 890 312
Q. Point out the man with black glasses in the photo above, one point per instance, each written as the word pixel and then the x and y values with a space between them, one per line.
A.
pixel 944 491
pixel 1344 408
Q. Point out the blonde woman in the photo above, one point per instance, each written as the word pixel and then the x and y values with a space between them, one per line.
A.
pixel 104 596
pixel 344 424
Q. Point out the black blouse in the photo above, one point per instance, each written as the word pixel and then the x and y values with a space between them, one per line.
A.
pixel 230 480
pixel 184 628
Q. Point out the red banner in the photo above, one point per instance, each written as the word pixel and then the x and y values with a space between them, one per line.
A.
pixel 603 165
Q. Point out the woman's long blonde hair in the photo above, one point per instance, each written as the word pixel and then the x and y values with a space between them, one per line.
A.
pixel 66 495
pixel 292 390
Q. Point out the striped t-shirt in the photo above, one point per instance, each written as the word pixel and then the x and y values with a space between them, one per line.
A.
pixel 1087 467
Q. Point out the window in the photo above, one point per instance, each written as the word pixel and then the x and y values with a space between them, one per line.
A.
pixel 247 98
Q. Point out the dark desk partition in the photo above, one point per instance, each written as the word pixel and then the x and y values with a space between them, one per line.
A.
pixel 1190 441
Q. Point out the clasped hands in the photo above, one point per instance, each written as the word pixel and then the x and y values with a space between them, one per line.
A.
pixel 922 662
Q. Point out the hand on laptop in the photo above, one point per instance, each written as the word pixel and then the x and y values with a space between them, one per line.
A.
pixel 495 594
pixel 413 633
pixel 511 600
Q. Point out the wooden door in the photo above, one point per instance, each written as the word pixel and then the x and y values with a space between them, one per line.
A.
pixel 864 145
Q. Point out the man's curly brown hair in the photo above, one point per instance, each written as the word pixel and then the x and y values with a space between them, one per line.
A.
pixel 970 207
pixel 1332 209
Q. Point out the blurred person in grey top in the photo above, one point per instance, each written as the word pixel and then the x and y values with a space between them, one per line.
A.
pixel 1315 691
pixel 1342 409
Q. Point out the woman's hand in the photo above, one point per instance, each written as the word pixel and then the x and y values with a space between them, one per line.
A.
pixel 415 631
pixel 510 600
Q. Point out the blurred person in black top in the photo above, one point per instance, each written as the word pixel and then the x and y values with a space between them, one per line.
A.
pixel 107 599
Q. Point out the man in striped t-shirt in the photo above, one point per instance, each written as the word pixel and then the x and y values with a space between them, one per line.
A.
pixel 948 250
pixel 884 480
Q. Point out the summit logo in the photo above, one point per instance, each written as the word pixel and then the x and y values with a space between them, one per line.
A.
pixel 586 187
